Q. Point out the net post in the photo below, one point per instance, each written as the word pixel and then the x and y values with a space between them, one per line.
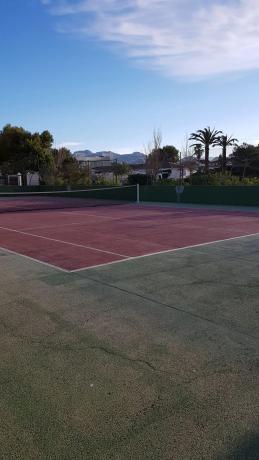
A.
pixel 138 194
pixel 179 190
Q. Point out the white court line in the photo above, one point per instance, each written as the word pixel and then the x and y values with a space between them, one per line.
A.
pixel 165 252
pixel 63 242
pixel 78 213
pixel 34 260
pixel 127 258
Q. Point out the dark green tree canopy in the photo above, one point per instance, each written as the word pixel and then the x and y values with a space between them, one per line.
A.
pixel 245 160
pixel 168 154
pixel 22 151
pixel 61 158
pixel 46 139
pixel 164 157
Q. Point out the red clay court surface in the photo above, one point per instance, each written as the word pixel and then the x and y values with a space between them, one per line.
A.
pixel 76 239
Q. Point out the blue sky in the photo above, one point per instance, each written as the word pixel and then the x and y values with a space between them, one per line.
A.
pixel 103 74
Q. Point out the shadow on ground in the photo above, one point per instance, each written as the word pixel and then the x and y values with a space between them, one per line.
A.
pixel 247 449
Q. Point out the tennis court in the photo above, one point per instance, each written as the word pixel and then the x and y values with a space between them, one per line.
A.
pixel 127 330
pixel 77 232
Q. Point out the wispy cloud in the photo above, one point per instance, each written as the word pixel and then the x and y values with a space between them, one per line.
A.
pixel 69 145
pixel 183 38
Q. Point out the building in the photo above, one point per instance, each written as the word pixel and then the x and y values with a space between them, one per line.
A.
pixel 175 171
pixel 94 163
pixel 30 178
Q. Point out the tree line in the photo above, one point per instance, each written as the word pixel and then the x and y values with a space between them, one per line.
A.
pixel 22 151
pixel 243 161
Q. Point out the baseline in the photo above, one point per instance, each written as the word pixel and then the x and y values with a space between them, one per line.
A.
pixel 166 251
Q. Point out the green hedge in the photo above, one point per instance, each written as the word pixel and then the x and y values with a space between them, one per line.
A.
pixel 220 195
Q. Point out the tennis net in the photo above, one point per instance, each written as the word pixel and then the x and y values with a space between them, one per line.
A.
pixel 58 199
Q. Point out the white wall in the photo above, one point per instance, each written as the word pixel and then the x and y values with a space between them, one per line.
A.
pixel 32 179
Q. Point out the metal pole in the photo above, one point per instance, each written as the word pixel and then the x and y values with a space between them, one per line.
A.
pixel 138 194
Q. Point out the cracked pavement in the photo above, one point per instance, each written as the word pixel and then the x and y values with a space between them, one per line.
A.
pixel 155 358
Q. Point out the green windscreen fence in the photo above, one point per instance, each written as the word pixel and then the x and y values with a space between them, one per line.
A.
pixel 219 195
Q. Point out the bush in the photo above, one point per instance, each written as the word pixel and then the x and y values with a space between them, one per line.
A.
pixel 105 182
pixel 221 179
pixel 250 181
pixel 172 182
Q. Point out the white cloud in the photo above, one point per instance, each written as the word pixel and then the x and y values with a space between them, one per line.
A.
pixel 69 145
pixel 186 38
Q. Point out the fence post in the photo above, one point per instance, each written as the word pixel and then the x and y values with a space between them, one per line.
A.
pixel 19 179
pixel 138 194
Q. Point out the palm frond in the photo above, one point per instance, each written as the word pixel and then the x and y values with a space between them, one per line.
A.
pixel 227 141
pixel 206 136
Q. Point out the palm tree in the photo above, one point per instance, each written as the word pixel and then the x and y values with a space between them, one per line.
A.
pixel 197 151
pixel 209 138
pixel 225 142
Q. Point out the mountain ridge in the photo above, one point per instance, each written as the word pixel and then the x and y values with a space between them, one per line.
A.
pixel 130 158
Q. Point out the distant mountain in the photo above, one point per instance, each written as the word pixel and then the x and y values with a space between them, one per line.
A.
pixel 130 158
pixel 108 154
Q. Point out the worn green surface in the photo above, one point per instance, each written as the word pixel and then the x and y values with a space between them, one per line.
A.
pixel 155 358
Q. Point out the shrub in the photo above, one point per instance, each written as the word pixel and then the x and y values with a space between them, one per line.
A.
pixel 222 179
